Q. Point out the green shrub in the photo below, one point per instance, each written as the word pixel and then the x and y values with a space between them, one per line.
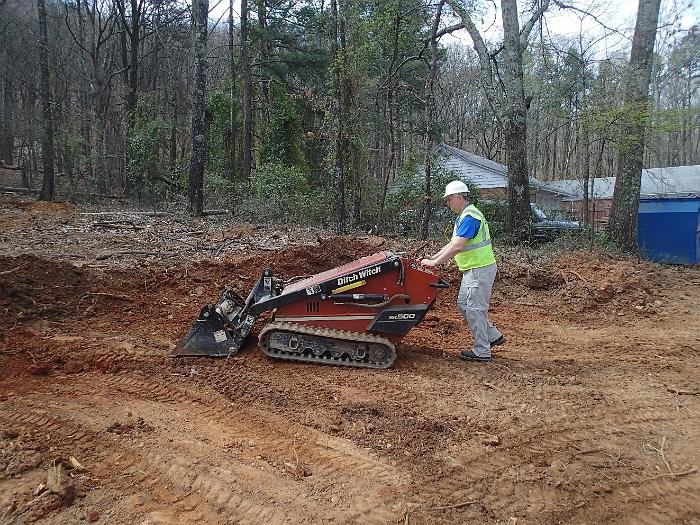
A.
pixel 148 174
pixel 406 198
pixel 282 134
pixel 283 194
pixel 218 115
pixel 496 213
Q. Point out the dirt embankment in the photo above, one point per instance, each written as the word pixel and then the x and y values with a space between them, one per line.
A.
pixel 588 413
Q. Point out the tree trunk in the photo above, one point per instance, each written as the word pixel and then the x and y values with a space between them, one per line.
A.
pixel 390 87
pixel 47 187
pixel 135 40
pixel 233 99
pixel 429 139
pixel 130 61
pixel 196 178
pixel 7 138
pixel 247 96
pixel 265 57
pixel 338 126
pixel 625 206
pixel 515 125
pixel 506 95
pixel 350 176
pixel 173 134
pixel 357 196
pixel 377 159
pixel 87 101
pixel 585 215
pixel 130 41
pixel 555 158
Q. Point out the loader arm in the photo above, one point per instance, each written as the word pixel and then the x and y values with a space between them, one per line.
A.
pixel 322 286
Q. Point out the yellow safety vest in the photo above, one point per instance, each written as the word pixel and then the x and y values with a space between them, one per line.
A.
pixel 477 252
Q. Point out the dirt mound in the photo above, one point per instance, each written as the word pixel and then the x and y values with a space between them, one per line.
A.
pixel 24 221
pixel 53 208
pixel 32 287
pixel 595 280
pixel 312 259
pixel 41 207
pixel 569 284
pixel 14 202
pixel 580 282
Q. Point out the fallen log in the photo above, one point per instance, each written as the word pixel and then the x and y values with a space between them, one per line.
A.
pixel 26 191
pixel 127 252
pixel 144 213
pixel 29 191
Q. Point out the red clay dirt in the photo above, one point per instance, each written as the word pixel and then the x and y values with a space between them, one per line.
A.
pixel 589 413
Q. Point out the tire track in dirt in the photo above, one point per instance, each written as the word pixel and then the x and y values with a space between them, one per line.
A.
pixel 123 355
pixel 333 450
pixel 645 503
pixel 215 489
pixel 164 394
pixel 73 435
pixel 532 444
pixel 279 440
pixel 207 490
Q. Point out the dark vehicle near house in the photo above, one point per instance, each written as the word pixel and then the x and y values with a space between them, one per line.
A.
pixel 546 229
pixel 542 227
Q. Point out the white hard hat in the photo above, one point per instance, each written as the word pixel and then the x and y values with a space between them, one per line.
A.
pixel 456 186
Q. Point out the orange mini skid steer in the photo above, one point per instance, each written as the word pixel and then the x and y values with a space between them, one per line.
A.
pixel 351 315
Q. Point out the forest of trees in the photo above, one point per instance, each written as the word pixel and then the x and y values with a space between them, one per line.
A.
pixel 316 111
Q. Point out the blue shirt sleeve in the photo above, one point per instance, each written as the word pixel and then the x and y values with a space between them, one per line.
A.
pixel 468 227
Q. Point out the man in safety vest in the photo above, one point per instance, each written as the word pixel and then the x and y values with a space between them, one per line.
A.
pixel 472 251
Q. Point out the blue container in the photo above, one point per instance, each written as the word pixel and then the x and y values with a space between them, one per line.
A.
pixel 669 230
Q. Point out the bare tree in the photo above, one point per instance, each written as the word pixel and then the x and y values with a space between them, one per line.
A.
pixel 93 38
pixel 132 26
pixel 265 53
pixel 196 178
pixel 337 115
pixel 232 92
pixel 247 95
pixel 515 120
pixel 7 137
pixel 506 95
pixel 429 140
pixel 391 82
pixel 623 215
pixel 47 188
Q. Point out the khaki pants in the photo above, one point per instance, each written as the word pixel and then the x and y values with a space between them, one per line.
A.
pixel 473 302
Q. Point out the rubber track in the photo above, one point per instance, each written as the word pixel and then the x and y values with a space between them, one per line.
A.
pixel 329 334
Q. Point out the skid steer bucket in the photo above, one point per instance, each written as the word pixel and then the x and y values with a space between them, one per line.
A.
pixel 208 336
pixel 219 331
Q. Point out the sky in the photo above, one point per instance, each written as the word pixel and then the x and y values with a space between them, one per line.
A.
pixel 617 15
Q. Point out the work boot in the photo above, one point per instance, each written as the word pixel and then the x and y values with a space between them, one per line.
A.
pixel 471 356
pixel 498 341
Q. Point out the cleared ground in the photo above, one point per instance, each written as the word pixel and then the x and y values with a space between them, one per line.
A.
pixel 588 414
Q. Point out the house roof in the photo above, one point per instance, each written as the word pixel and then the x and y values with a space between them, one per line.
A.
pixel 656 182
pixel 482 172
